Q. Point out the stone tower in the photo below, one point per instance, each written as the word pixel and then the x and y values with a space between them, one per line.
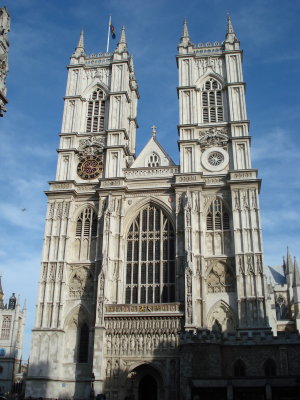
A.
pixel 152 276
pixel 12 322
pixel 223 243
pixel 4 45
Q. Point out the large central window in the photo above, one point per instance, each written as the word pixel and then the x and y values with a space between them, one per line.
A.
pixel 150 269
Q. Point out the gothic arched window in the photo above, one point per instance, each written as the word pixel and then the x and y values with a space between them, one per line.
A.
pixel 150 268
pixel 86 225
pixel 86 235
pixel 270 368
pixel 217 218
pixel 212 102
pixel 96 110
pixel 239 369
pixel 281 308
pixel 83 345
pixel 218 240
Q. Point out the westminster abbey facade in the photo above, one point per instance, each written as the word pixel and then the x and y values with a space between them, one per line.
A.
pixel 152 280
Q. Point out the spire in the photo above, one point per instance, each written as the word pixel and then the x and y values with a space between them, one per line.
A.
pixel 230 34
pixel 122 45
pixel 79 49
pixel 185 38
pixel 81 40
pixel 1 293
pixel 229 25
pixel 289 262
pixel 296 280
pixel 185 32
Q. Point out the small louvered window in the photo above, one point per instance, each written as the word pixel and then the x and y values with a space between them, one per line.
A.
pixel 96 111
pixel 87 223
pixel 212 97
pixel 217 218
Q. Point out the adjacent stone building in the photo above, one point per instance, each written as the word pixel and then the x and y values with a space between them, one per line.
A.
pixel 4 44
pixel 12 322
pixel 152 280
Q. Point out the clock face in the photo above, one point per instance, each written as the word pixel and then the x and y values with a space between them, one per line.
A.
pixel 90 167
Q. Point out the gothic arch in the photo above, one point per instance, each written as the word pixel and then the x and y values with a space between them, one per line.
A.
pixel 209 74
pixel 221 313
pixel 94 86
pixel 75 319
pixel 135 208
pixel 215 197
pixel 77 311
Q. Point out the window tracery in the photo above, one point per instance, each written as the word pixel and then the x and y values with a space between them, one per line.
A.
pixel 87 223
pixel 220 278
pixel 95 113
pixel 212 101
pixel 153 160
pixel 150 270
pixel 218 228
pixel 281 308
pixel 86 234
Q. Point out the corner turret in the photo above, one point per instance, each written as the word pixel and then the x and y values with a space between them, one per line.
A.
pixel 231 41
pixel 185 44
pixel 79 51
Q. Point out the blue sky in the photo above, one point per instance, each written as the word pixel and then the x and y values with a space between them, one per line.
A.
pixel 43 36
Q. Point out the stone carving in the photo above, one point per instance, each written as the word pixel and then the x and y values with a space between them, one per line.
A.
pixel 213 137
pixel 250 265
pixel 81 282
pixel 189 304
pixel 220 277
pixel 92 146
pixel 221 318
pixel 101 297
pixel 140 343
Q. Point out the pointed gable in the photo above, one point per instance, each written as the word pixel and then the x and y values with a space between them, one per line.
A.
pixel 153 155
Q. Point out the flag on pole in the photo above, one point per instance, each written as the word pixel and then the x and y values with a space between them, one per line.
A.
pixel 112 31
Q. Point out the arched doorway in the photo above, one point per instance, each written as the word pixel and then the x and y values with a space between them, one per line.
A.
pixel 145 382
pixel 147 388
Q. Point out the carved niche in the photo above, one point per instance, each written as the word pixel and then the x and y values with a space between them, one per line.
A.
pixel 221 318
pixel 81 282
pixel 220 277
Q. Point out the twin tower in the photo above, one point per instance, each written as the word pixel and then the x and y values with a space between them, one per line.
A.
pixel 139 251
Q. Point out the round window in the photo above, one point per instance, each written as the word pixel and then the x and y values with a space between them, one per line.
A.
pixel 215 159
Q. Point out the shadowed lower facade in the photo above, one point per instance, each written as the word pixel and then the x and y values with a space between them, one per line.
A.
pixel 152 282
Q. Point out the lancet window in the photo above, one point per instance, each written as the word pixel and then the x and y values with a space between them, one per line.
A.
pixel 212 101
pixel 86 225
pixel 217 218
pixel 150 268
pixel 218 233
pixel 281 308
pixel 86 234
pixel 96 110
pixel 6 326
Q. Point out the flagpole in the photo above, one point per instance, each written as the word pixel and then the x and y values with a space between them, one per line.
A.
pixel 107 47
